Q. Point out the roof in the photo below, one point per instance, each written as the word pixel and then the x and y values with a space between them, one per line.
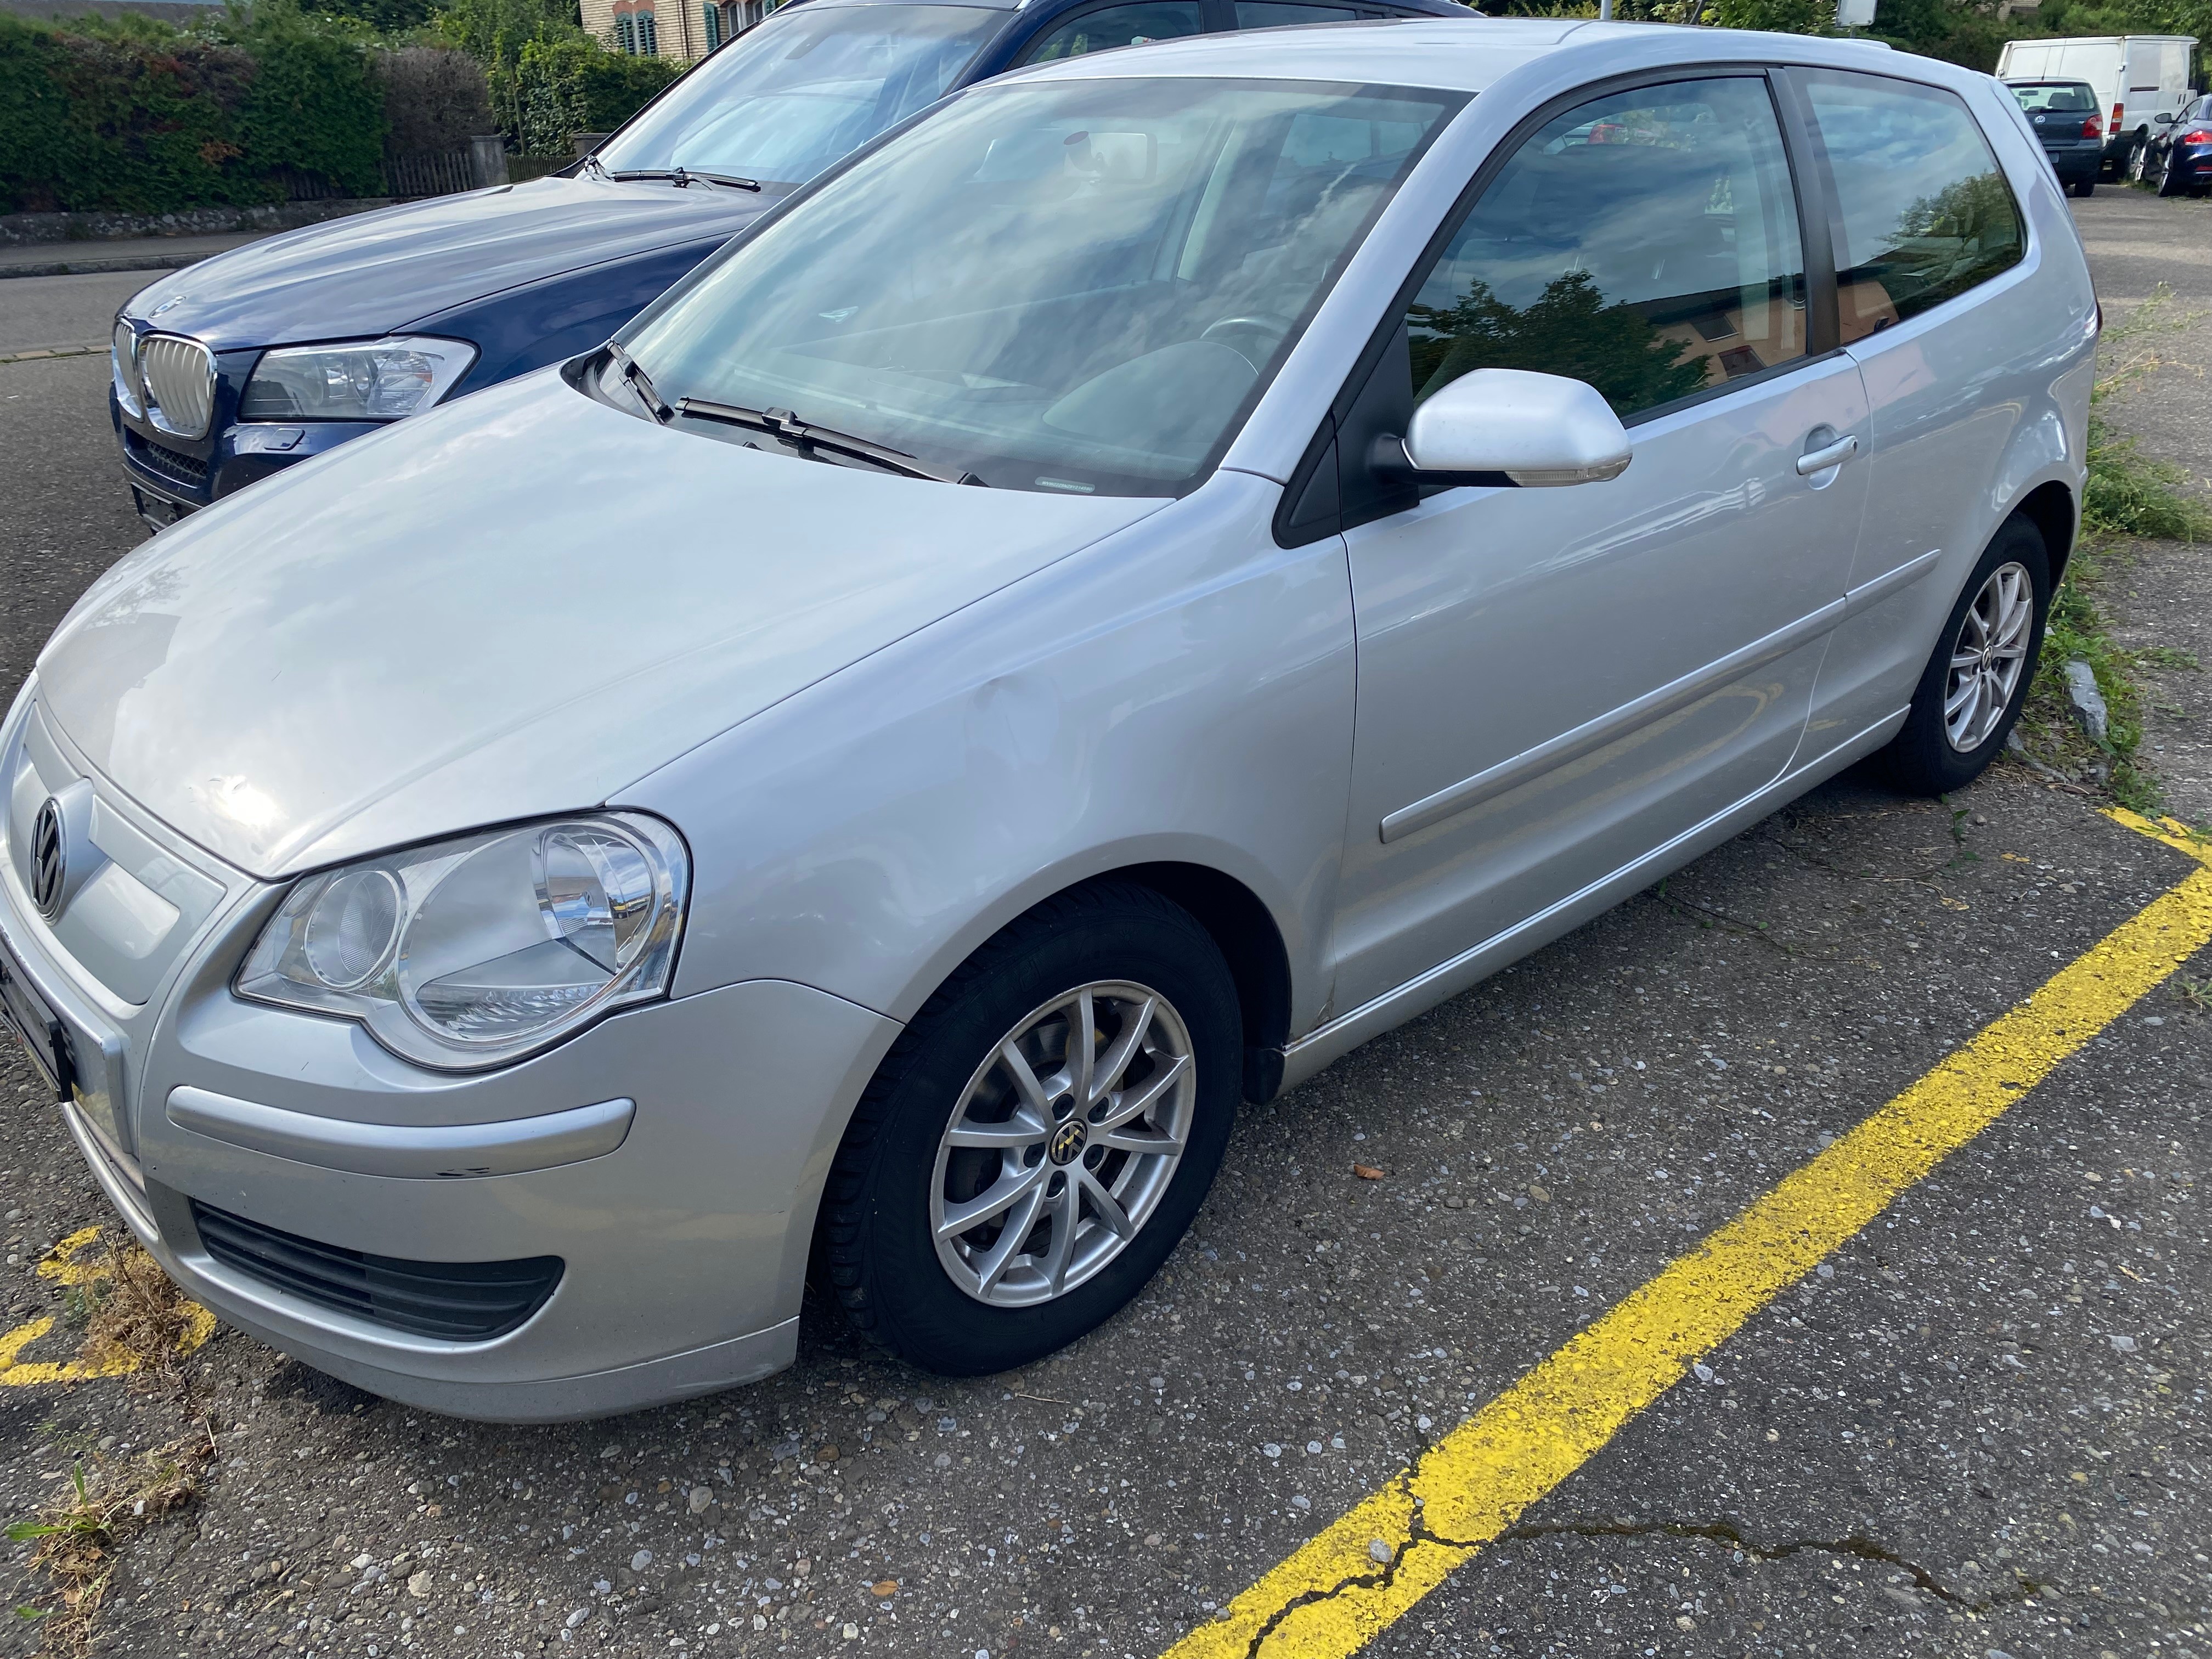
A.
pixel 1470 55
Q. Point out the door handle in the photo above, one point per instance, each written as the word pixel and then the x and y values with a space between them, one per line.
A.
pixel 1828 455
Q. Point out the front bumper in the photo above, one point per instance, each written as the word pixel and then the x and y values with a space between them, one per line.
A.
pixel 682 1229
pixel 170 476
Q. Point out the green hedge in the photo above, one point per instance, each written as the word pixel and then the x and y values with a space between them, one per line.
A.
pixel 573 84
pixel 141 119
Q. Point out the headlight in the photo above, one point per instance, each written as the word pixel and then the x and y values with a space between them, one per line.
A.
pixel 358 380
pixel 477 951
pixel 123 362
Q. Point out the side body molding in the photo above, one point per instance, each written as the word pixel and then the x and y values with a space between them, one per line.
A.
pixel 1591 735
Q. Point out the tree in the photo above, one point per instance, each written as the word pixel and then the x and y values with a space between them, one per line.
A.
pixel 1568 331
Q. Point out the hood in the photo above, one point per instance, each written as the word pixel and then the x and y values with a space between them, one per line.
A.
pixel 514 606
pixel 377 273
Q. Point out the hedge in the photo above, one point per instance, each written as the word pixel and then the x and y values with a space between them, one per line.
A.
pixel 573 84
pixel 140 118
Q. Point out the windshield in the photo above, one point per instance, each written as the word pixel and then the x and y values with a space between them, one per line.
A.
pixel 805 87
pixel 1072 285
pixel 2064 98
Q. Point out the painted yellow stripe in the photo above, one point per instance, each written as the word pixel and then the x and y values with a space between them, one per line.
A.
pixel 1369 1567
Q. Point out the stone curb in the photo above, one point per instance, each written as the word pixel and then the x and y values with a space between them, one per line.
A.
pixel 37 352
pixel 96 267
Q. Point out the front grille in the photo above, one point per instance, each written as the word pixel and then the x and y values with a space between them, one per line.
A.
pixel 180 380
pixel 172 465
pixel 460 1301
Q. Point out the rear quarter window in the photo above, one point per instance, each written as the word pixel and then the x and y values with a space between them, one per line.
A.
pixel 1925 213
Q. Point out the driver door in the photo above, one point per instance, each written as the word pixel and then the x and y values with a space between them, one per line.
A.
pixel 1554 681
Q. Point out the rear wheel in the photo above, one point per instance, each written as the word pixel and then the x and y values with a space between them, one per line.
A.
pixel 2168 183
pixel 1040 1137
pixel 2083 187
pixel 1969 694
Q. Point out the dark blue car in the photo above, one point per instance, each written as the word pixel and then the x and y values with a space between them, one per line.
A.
pixel 233 367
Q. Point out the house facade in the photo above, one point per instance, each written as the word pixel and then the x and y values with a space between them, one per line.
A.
pixel 683 29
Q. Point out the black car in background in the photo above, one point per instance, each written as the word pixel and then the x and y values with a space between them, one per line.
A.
pixel 2064 116
pixel 282 349
pixel 2177 157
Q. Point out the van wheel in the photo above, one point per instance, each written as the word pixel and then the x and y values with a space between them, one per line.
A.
pixel 1969 694
pixel 1040 1137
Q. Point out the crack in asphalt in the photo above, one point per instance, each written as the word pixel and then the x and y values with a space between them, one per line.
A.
pixel 1416 1533
pixel 1856 1545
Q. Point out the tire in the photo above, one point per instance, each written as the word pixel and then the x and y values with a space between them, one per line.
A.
pixel 2138 162
pixel 2085 187
pixel 1924 758
pixel 898 1171
pixel 2167 183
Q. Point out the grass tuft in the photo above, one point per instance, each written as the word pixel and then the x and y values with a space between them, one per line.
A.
pixel 76 1534
pixel 2128 495
pixel 134 1312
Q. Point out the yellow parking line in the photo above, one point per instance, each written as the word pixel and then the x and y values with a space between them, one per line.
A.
pixel 1368 1568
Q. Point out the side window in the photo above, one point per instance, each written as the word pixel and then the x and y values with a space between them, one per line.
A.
pixel 1926 213
pixel 1279 13
pixel 1116 26
pixel 1646 243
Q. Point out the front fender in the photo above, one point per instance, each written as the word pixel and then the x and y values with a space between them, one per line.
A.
pixel 1179 692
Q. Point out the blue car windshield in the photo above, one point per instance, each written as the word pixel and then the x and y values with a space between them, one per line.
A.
pixel 1071 285
pixel 804 88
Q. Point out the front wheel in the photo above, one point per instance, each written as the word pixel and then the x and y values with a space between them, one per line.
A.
pixel 2138 162
pixel 1040 1137
pixel 2084 187
pixel 1969 694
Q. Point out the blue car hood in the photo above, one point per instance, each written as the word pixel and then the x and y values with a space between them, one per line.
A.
pixel 379 272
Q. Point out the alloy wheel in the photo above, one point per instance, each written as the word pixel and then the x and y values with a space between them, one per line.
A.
pixel 1987 656
pixel 1062 1144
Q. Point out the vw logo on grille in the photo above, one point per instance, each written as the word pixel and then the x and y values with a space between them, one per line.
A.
pixel 49 858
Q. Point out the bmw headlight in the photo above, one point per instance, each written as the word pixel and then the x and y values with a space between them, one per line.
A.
pixel 123 363
pixel 477 951
pixel 354 381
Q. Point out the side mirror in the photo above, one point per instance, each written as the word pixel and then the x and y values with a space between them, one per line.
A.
pixel 2165 120
pixel 1510 425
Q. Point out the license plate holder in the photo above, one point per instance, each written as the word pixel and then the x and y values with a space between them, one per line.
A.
pixel 37 1027
pixel 156 513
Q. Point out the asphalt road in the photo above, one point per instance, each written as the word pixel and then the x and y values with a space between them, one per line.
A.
pixel 1980 1429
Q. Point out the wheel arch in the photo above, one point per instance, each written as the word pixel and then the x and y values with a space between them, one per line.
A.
pixel 1249 941
pixel 2051 508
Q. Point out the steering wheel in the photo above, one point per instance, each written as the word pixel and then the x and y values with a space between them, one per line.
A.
pixel 1262 332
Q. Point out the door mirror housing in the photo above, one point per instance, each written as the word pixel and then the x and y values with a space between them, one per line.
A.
pixel 1511 425
pixel 2166 120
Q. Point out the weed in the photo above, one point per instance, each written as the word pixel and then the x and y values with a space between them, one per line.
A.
pixel 77 1532
pixel 2166 656
pixel 2194 993
pixel 138 1314
pixel 2128 495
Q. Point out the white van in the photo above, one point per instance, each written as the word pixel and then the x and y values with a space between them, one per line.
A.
pixel 2138 78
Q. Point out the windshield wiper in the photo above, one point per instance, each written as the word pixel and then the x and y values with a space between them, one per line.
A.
pixel 635 378
pixel 680 177
pixel 806 438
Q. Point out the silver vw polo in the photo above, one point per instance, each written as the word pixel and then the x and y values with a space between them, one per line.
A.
pixel 1317 515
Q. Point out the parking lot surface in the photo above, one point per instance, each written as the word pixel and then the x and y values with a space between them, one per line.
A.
pixel 1977 1427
